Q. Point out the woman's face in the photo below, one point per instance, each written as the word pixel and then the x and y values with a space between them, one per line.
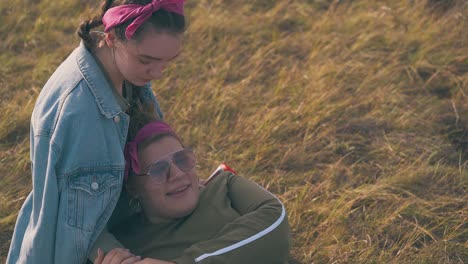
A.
pixel 143 61
pixel 175 198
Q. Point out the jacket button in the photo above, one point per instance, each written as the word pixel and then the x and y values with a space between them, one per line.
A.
pixel 117 119
pixel 94 185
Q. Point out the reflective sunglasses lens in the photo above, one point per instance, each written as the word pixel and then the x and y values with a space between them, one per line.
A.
pixel 158 170
pixel 185 160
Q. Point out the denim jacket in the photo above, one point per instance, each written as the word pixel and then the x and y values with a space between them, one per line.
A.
pixel 78 133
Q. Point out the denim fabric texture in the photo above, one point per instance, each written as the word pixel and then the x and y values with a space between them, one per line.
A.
pixel 78 133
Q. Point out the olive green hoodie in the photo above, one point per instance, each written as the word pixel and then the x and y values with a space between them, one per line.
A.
pixel 235 221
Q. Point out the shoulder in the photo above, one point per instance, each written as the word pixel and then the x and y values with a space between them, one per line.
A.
pixel 221 178
pixel 65 77
pixel 218 184
pixel 59 101
pixel 76 91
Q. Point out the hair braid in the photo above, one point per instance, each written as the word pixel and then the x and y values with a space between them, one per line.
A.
pixel 86 26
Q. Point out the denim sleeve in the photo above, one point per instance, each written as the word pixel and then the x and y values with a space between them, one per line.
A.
pixel 34 237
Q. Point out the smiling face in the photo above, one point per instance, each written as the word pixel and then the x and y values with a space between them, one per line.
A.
pixel 141 61
pixel 175 198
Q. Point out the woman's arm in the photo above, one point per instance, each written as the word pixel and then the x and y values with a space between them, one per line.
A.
pixel 34 241
pixel 105 242
pixel 123 256
pixel 260 235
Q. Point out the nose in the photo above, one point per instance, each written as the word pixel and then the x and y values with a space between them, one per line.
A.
pixel 174 172
pixel 155 71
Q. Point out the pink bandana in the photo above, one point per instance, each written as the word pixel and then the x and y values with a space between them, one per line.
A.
pixel 121 14
pixel 131 152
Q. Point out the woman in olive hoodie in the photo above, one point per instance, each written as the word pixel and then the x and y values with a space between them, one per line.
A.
pixel 229 219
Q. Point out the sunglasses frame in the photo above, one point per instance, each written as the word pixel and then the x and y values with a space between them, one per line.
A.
pixel 169 162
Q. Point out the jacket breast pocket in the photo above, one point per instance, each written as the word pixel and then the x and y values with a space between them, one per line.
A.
pixel 89 196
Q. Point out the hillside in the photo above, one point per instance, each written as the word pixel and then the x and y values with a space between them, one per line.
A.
pixel 355 113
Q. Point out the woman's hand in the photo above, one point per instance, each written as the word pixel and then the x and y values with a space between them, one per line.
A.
pixel 153 261
pixel 116 256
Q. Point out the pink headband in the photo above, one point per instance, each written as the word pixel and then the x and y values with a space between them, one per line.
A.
pixel 131 152
pixel 121 14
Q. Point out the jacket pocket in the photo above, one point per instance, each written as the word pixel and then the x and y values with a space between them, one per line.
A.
pixel 89 196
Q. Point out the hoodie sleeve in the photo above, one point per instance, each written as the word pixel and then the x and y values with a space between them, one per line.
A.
pixel 260 235
pixel 105 241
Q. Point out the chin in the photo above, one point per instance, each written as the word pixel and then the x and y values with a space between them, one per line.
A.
pixel 139 83
pixel 183 212
pixel 179 214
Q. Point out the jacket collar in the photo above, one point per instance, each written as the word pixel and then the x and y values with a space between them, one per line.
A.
pixel 97 82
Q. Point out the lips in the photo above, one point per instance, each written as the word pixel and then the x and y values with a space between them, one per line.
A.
pixel 179 190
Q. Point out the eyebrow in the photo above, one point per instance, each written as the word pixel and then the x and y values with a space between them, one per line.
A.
pixel 158 59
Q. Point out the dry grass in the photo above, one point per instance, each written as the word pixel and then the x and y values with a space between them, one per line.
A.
pixel 354 112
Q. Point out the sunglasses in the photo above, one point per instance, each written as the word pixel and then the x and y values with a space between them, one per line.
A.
pixel 159 171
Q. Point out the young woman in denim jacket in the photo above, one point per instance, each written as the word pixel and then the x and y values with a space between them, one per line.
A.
pixel 79 127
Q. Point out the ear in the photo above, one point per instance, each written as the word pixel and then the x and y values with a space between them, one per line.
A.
pixel 111 39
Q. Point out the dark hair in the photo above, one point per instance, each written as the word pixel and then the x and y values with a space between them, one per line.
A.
pixel 140 115
pixel 161 20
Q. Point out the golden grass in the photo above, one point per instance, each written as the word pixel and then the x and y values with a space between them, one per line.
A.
pixel 353 112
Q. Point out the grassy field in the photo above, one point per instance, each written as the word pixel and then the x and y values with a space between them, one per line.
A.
pixel 354 112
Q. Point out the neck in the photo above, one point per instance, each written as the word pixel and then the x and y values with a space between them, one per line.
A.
pixel 155 219
pixel 105 55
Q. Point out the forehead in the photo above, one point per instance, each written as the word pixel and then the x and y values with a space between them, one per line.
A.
pixel 158 149
pixel 155 44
